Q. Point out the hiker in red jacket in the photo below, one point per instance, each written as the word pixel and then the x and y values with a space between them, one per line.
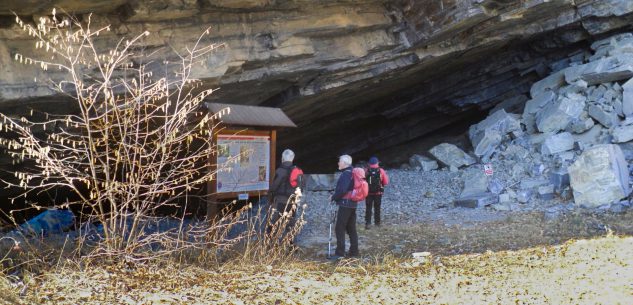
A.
pixel 377 179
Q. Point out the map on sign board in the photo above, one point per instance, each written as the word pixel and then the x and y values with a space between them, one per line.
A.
pixel 488 169
pixel 243 163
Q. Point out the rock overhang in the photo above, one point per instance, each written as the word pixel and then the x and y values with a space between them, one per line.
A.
pixel 368 76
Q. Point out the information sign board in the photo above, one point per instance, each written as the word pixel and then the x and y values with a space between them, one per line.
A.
pixel 243 163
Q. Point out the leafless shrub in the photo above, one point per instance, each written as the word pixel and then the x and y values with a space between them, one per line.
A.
pixel 268 241
pixel 139 142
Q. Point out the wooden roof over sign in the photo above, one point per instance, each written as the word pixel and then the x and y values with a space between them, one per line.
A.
pixel 243 115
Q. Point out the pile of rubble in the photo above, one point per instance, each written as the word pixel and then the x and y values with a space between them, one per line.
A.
pixel 572 141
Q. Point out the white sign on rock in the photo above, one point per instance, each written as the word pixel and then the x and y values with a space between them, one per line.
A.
pixel 488 169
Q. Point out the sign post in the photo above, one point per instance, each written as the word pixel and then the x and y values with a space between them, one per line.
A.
pixel 244 164
pixel 244 158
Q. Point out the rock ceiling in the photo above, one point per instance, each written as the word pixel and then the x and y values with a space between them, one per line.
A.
pixel 358 77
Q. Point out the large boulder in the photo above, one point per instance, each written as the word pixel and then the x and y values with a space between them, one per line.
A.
pixel 424 163
pixel 475 182
pixel 599 176
pixel 557 143
pixel 321 182
pixel 487 134
pixel 606 118
pixel 558 114
pixel 477 200
pixel 616 44
pixel 622 134
pixel 451 156
pixel 476 192
pixel 595 135
pixel 538 102
pixel 551 83
pixel 608 69
pixel 582 124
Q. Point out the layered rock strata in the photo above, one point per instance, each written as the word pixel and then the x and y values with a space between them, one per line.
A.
pixel 358 77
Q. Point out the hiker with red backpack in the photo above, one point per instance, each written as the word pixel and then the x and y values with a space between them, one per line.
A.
pixel 350 188
pixel 377 179
pixel 282 191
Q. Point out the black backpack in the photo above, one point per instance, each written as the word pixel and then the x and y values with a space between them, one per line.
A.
pixel 374 181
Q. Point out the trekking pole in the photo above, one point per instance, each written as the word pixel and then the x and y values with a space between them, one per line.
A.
pixel 332 218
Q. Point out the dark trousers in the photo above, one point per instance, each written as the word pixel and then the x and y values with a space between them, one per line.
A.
pixel 346 223
pixel 372 202
pixel 280 205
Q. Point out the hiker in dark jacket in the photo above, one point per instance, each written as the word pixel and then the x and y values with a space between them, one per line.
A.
pixel 346 215
pixel 281 192
pixel 374 198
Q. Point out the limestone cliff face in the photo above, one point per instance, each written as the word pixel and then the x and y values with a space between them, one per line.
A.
pixel 358 77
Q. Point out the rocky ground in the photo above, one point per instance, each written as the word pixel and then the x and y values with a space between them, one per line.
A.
pixel 419 215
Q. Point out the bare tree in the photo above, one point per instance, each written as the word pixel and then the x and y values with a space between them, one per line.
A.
pixel 138 142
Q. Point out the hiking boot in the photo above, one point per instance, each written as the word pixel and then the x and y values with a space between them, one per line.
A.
pixel 367 226
pixel 334 257
pixel 352 254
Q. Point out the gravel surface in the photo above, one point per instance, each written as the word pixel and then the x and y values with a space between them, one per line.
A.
pixel 417 197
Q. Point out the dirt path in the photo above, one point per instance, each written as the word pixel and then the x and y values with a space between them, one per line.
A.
pixel 462 231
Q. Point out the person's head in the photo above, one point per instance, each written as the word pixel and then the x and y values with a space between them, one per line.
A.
pixel 373 161
pixel 344 161
pixel 287 156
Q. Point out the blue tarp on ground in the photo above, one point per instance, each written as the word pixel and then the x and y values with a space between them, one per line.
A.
pixel 49 222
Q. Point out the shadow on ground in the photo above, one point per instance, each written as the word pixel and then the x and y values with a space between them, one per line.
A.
pixel 514 231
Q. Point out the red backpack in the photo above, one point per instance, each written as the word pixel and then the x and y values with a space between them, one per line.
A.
pixel 361 188
pixel 296 177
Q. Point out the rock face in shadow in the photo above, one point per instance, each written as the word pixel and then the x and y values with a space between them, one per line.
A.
pixel 358 77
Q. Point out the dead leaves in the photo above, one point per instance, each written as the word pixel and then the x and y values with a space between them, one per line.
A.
pixel 586 271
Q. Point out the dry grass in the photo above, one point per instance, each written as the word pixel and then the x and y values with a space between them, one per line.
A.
pixel 267 242
pixel 585 271
pixel 48 270
pixel 577 272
